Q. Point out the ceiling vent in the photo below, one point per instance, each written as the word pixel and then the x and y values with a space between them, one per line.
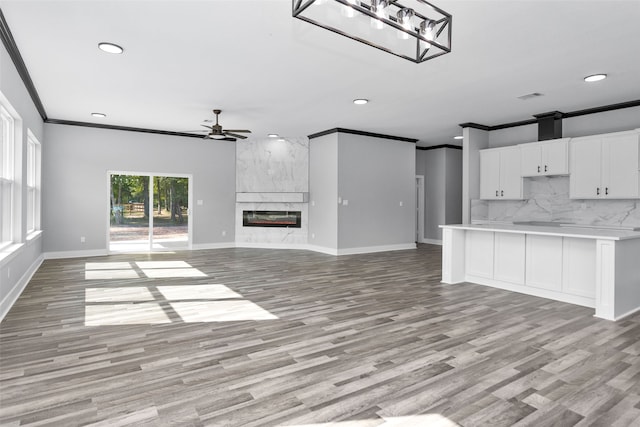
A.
pixel 530 96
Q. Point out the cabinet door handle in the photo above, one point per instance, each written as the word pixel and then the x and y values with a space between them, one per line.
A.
pixel 606 190
pixel 545 168
pixel 598 191
pixel 496 193
pixel 502 193
pixel 538 169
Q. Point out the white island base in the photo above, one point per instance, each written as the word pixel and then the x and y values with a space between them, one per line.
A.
pixel 598 268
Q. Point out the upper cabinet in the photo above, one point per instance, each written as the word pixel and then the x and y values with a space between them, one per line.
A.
pixel 605 166
pixel 500 174
pixel 545 158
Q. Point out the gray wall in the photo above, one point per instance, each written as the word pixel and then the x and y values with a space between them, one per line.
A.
pixel 453 178
pixel 75 181
pixel 16 268
pixel 474 141
pixel 375 175
pixel 323 191
pixel 442 170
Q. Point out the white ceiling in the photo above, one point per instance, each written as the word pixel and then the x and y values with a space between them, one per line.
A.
pixel 272 73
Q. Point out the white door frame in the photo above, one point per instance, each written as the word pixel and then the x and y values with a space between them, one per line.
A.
pixel 420 208
pixel 152 175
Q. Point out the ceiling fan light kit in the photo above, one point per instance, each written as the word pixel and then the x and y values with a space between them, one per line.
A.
pixel 415 30
pixel 217 132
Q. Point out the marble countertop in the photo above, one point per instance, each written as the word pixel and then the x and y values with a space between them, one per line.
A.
pixel 561 230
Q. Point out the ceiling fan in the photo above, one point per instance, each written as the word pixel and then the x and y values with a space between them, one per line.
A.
pixel 216 131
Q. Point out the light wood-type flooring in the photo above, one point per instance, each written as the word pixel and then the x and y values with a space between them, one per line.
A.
pixel 252 337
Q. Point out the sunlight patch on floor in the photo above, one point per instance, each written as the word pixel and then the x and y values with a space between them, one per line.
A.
pixel 110 274
pixel 129 305
pixel 133 293
pixel 200 292
pixel 150 269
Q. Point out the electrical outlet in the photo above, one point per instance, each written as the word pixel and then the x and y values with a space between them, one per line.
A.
pixel 401 203
pixel 345 202
pixel 313 235
pixel 82 239
pixel 200 202
pixel 224 233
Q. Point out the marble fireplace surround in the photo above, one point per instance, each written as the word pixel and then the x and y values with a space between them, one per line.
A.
pixel 272 175
pixel 547 200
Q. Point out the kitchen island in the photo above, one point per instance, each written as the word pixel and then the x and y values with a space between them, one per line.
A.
pixel 592 267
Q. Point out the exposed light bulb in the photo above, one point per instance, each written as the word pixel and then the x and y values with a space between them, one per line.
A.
pixel 379 7
pixel 404 18
pixel 427 29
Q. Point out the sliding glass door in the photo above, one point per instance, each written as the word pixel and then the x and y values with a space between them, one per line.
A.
pixel 148 212
pixel 170 213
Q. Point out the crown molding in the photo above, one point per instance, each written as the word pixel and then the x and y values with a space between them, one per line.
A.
pixel 10 44
pixel 363 133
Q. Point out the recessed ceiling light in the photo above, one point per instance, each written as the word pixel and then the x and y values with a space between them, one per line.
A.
pixel 99 115
pixel 595 78
pixel 458 137
pixel 110 47
pixel 273 135
pixel 360 101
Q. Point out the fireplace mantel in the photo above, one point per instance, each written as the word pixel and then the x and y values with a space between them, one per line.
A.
pixel 301 197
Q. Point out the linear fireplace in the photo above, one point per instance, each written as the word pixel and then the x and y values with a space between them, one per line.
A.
pixel 283 219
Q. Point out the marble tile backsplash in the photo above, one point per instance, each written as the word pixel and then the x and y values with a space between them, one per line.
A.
pixel 547 199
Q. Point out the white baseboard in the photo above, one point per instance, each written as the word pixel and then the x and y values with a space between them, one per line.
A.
pixel 75 254
pixel 271 245
pixel 536 292
pixel 372 249
pixel 204 246
pixel 432 241
pixel 322 250
pixel 10 299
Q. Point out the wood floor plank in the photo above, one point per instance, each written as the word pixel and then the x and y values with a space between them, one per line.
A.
pixel 253 337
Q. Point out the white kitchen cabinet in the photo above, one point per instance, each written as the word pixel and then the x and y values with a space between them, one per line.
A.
pixel 509 257
pixel 605 166
pixel 590 267
pixel 545 158
pixel 544 262
pixel 579 267
pixel 500 174
pixel 479 254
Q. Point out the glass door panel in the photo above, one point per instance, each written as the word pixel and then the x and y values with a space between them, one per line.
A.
pixel 170 213
pixel 129 213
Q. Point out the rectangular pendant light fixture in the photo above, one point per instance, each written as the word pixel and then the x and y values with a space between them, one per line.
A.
pixel 414 29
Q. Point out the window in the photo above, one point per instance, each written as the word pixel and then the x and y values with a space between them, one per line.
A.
pixel 6 177
pixel 33 183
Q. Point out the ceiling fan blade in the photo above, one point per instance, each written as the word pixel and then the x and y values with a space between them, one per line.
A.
pixel 235 135
pixel 237 130
pixel 208 127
